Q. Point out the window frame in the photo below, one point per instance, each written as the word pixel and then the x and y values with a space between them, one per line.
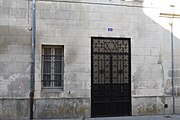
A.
pixel 52 68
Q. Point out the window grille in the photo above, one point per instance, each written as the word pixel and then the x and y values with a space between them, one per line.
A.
pixel 53 67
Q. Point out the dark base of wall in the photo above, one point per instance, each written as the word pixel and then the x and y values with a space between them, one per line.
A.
pixel 155 105
pixel 51 108
pixel 14 109
pixel 62 108
pixel 55 108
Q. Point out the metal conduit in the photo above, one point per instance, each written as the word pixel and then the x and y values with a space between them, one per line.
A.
pixel 31 95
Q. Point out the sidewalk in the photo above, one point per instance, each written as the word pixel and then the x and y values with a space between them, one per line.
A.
pixel 160 117
pixel 167 117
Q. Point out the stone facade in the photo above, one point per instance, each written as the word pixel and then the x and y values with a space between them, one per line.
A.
pixel 72 24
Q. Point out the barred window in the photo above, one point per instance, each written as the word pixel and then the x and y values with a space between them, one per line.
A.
pixel 53 67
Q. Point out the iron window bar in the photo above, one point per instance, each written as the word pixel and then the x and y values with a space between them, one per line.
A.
pixel 52 71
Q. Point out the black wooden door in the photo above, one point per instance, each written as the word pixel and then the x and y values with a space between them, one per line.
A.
pixel 111 77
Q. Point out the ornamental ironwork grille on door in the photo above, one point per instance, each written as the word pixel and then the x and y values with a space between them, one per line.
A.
pixel 110 80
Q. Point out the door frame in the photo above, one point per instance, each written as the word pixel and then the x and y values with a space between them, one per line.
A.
pixel 111 38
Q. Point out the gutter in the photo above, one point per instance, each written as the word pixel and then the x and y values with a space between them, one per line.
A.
pixel 172 16
pixel 172 66
pixel 31 95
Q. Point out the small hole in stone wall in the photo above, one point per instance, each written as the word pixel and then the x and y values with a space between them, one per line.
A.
pixel 165 105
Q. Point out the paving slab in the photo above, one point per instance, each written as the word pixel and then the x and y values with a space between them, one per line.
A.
pixel 166 117
pixel 160 117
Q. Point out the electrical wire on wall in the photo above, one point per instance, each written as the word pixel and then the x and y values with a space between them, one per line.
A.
pixel 28 12
pixel 28 9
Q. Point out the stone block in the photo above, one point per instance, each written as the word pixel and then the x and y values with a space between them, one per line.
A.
pixel 47 14
pixel 15 109
pixel 5 58
pixel 65 32
pixel 14 67
pixel 22 58
pixel 15 84
pixel 12 21
pixel 152 59
pixel 23 4
pixel 84 68
pixel 4 12
pixel 77 77
pixel 4 21
pixel 14 4
pixel 83 41
pixel 85 93
pixel 152 44
pixel 113 17
pixel 82 24
pixel 98 24
pixel 5 3
pixel 9 109
pixel 152 68
pixel 149 35
pixel 147 92
pixel 155 51
pixel 46 31
pixel 27 49
pixel 4 30
pixel 64 14
pixel 77 59
pixel 69 23
pixel 137 43
pixel 177 105
pixel 147 85
pixel 74 86
pixel 77 50
pixel 177 110
pixel 169 102
pixel 21 22
pixel 147 106
pixel 50 5
pixel 53 23
pixel 43 23
pixel 96 16
pixel 141 51
pixel 64 40
pixel 3 49
pixel 18 13
pixel 138 59
pixel 8 40
pixel 18 31
pixel 15 49
pixel 78 87
pixel 23 40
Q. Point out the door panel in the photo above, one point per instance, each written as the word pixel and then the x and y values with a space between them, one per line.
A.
pixel 111 84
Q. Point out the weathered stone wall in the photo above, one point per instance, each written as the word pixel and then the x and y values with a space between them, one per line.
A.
pixel 15 60
pixel 14 49
pixel 73 25
pixel 62 108
pixel 14 109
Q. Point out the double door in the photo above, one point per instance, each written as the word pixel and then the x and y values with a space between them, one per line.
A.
pixel 111 84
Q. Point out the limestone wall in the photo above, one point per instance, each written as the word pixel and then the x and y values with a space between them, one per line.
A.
pixel 72 24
